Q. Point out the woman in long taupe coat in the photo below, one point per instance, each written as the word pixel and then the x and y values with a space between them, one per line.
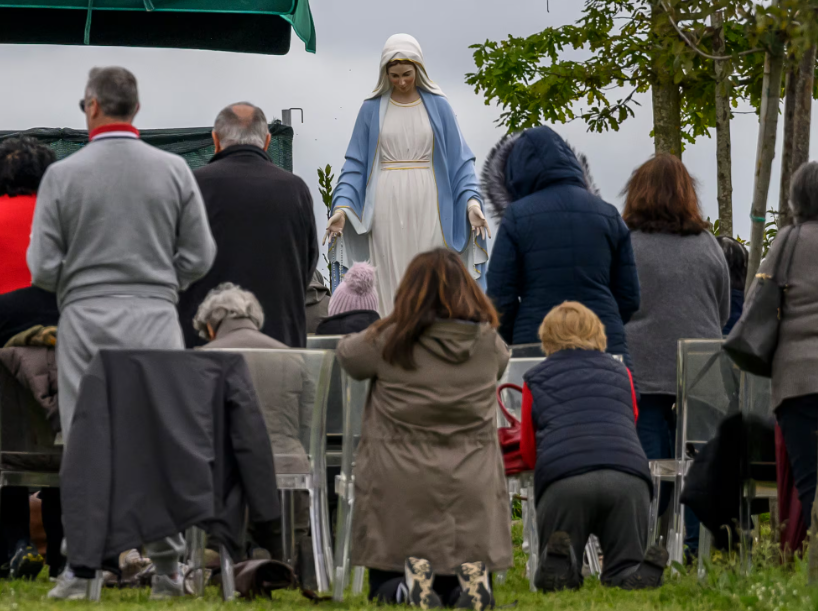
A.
pixel 431 509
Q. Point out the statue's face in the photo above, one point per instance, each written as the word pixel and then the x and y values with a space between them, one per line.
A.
pixel 402 77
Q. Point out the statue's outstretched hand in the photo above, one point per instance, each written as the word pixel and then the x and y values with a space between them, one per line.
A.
pixel 335 225
pixel 478 222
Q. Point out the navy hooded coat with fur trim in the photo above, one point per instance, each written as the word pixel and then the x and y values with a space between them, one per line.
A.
pixel 558 241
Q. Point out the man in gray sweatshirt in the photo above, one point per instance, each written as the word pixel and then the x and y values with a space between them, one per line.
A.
pixel 119 229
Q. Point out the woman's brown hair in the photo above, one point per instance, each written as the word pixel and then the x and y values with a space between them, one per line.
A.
pixel 661 198
pixel 435 286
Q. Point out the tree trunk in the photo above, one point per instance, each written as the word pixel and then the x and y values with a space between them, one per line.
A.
pixel 724 159
pixel 667 109
pixel 804 76
pixel 667 118
pixel 767 125
pixel 789 142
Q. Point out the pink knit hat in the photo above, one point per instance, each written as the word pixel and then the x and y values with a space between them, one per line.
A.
pixel 356 292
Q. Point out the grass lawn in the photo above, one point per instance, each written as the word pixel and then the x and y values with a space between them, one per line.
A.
pixel 767 588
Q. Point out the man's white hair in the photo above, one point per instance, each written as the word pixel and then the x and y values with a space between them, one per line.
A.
pixel 233 129
pixel 227 301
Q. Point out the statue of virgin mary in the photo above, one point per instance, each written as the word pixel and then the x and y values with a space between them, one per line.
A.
pixel 408 184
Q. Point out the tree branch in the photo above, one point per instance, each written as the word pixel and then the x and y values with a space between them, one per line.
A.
pixel 693 46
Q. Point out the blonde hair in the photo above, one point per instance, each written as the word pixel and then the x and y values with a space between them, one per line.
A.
pixel 572 326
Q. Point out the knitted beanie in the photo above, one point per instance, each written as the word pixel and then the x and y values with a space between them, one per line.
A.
pixel 356 292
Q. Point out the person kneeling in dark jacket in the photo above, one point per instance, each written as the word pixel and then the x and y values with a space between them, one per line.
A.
pixel 354 304
pixel 591 474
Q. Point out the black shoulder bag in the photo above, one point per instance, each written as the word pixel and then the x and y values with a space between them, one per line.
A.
pixel 752 342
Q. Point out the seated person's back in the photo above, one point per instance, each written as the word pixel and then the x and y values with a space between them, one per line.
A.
pixel 232 318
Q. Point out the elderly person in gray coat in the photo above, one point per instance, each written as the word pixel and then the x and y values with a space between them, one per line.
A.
pixel 119 229
pixel 231 319
pixel 795 365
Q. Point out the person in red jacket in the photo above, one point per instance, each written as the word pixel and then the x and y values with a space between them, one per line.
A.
pixel 22 164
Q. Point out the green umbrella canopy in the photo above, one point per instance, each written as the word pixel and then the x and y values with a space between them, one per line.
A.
pixel 246 26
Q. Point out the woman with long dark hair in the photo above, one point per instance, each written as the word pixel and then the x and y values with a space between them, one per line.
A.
pixel 685 291
pixel 431 510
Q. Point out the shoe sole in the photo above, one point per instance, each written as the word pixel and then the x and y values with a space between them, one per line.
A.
pixel 555 570
pixel 421 593
pixel 654 566
pixel 475 594
pixel 76 596
pixel 649 574
pixel 30 567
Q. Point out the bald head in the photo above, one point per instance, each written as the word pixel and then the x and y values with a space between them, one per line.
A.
pixel 241 123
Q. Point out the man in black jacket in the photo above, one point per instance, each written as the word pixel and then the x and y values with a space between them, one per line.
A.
pixel 262 220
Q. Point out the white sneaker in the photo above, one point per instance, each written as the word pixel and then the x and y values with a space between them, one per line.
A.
pixel 69 587
pixel 164 587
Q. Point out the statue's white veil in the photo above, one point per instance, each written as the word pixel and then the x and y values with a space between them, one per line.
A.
pixel 404 46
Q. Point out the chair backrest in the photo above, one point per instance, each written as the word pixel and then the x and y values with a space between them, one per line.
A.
pixel 521 351
pixel 355 396
pixel 335 402
pixel 323 342
pixel 26 437
pixel 292 387
pixel 517 368
pixel 708 390
pixel 756 395
pixel 756 402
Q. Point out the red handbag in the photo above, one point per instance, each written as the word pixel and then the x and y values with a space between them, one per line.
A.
pixel 510 436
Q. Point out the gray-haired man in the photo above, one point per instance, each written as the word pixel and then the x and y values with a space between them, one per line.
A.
pixel 119 228
pixel 263 222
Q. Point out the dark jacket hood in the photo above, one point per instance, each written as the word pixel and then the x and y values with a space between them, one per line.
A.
pixel 530 161
pixel 452 341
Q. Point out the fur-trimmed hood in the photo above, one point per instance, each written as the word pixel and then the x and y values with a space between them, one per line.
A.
pixel 530 161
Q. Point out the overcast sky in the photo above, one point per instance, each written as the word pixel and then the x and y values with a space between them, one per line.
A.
pixel 178 88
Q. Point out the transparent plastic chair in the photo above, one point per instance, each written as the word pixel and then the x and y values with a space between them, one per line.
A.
pixel 707 391
pixel 335 403
pixel 293 388
pixel 754 400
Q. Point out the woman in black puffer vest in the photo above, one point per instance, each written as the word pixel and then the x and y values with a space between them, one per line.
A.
pixel 591 474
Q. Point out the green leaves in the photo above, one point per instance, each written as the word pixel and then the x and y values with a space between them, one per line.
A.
pixel 325 188
pixel 628 46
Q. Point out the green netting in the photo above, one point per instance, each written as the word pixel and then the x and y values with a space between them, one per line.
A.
pixel 194 144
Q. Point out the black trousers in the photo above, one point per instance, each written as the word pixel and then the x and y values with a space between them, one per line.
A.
pixel 798 419
pixel 383 587
pixel 15 518
pixel 52 522
pixel 610 504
